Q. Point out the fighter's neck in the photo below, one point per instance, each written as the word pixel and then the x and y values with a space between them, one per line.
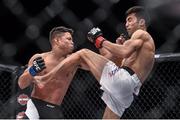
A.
pixel 143 28
pixel 58 54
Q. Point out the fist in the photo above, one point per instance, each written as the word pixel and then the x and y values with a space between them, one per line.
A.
pixel 93 34
pixel 121 39
pixel 38 66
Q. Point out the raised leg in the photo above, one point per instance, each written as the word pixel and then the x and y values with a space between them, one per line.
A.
pixel 94 61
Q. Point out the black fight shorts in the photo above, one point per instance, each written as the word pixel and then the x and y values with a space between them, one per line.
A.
pixel 39 109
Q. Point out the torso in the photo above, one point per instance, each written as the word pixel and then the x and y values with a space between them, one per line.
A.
pixel 54 90
pixel 142 60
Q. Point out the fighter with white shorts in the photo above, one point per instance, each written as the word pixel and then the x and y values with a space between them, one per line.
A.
pixel 119 84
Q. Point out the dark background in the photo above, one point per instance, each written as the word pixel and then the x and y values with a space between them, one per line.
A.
pixel 25 24
pixel 24 29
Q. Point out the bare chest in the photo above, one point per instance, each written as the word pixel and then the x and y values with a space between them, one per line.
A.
pixel 49 66
pixel 62 77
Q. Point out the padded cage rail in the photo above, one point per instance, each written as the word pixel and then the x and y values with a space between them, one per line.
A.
pixel 167 57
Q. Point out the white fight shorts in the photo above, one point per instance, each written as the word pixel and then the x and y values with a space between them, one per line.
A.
pixel 119 85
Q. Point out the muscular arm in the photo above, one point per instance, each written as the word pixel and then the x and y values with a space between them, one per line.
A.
pixel 26 78
pixel 106 53
pixel 128 47
pixel 70 63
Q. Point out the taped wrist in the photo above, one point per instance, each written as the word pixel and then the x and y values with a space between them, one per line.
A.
pixel 99 41
pixel 32 71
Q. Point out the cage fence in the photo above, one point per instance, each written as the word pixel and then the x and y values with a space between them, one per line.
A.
pixel 159 96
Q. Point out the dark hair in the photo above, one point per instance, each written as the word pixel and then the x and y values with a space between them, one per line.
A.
pixel 58 31
pixel 140 13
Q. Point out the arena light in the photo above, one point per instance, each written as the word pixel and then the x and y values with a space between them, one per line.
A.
pixel 9 50
pixel 32 31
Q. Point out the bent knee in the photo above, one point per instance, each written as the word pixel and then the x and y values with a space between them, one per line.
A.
pixel 84 51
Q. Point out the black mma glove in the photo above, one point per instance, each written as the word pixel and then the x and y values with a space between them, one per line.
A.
pixel 38 66
pixel 95 36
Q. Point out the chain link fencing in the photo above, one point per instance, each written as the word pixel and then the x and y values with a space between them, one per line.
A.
pixel 158 99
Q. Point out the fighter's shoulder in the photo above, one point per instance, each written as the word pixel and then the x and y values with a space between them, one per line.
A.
pixel 35 56
pixel 141 34
pixel 38 55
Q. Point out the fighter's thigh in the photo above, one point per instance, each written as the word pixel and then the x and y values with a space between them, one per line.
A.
pixel 108 114
pixel 95 61
pixel 94 58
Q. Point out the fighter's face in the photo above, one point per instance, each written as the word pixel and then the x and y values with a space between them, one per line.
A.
pixel 66 42
pixel 132 23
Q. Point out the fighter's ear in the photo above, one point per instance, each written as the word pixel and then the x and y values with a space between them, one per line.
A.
pixel 141 22
pixel 54 41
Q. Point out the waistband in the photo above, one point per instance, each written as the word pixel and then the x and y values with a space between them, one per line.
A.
pixel 41 102
pixel 130 71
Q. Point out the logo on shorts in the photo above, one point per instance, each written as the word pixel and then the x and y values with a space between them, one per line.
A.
pixel 113 72
pixel 51 106
pixel 22 99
